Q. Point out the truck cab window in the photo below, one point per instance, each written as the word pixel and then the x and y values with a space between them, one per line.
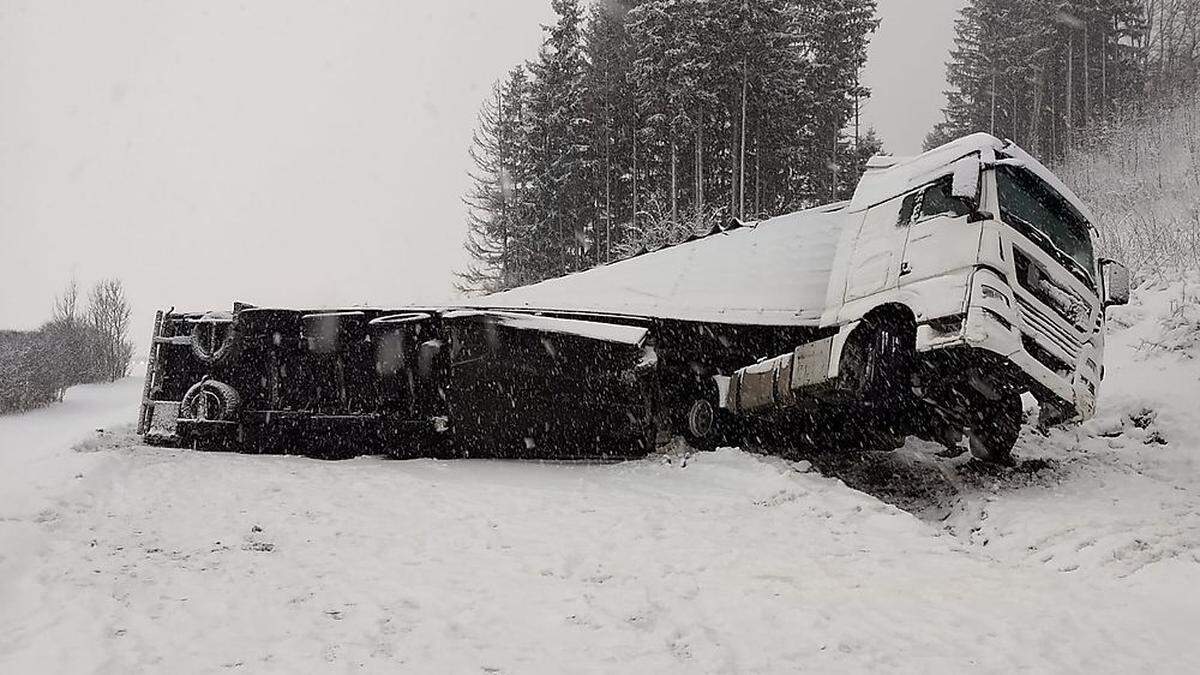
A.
pixel 1033 208
pixel 934 200
pixel 907 209
pixel 937 201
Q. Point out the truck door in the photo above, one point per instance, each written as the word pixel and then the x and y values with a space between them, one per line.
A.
pixel 938 236
pixel 875 259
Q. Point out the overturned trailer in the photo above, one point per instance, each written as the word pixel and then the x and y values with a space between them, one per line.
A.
pixel 334 383
pixel 951 284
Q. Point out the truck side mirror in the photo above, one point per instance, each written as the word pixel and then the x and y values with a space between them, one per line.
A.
pixel 1116 282
pixel 965 180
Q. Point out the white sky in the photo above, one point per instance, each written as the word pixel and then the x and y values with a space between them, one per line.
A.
pixel 906 70
pixel 287 152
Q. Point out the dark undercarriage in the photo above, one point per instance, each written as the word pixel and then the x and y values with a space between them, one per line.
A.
pixel 434 382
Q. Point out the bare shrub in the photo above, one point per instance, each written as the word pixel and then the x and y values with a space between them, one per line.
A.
pixel 108 312
pixel 657 229
pixel 37 367
pixel 1141 176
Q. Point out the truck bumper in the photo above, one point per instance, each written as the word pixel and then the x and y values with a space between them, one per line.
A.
pixel 993 323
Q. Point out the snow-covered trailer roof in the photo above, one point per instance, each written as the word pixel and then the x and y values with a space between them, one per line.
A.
pixel 774 272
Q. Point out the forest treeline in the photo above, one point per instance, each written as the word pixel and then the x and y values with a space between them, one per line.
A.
pixel 78 345
pixel 640 123
pixel 1057 76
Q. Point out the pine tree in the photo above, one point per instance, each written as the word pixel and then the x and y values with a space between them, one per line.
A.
pixel 1046 73
pixel 495 206
pixel 557 138
pixel 653 26
pixel 650 121
pixel 839 38
pixel 611 109
pixel 856 153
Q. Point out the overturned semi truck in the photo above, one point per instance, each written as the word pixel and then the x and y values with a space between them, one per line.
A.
pixel 951 284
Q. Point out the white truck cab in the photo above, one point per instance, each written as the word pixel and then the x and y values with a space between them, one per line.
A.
pixel 968 276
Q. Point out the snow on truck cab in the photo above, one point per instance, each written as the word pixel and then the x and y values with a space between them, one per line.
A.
pixel 951 284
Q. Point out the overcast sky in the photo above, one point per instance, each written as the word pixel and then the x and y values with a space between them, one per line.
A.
pixel 288 152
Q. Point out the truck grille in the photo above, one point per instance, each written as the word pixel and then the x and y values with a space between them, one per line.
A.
pixel 1041 325
pixel 1044 357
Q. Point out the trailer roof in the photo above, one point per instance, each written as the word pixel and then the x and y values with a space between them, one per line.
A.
pixel 774 272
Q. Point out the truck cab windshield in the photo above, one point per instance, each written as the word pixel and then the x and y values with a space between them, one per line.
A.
pixel 1037 211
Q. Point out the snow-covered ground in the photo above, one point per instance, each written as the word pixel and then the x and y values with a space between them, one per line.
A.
pixel 118 557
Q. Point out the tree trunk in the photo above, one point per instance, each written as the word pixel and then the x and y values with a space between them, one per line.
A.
pixel 1014 114
pixel 757 180
pixel 1104 70
pixel 608 208
pixel 1035 117
pixel 833 167
pixel 992 130
pixel 699 169
pixel 674 183
pixel 1087 72
pixel 857 122
pixel 633 218
pixel 1070 84
pixel 734 153
pixel 740 188
pixel 505 175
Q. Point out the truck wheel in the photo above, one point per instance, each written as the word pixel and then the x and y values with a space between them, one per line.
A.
pixel 704 423
pixel 879 360
pixel 995 431
pixel 879 366
pixel 210 400
pixel 216 342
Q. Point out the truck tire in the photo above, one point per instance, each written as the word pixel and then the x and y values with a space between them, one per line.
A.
pixel 703 422
pixel 889 363
pixel 213 346
pixel 210 400
pixel 879 364
pixel 879 360
pixel 997 424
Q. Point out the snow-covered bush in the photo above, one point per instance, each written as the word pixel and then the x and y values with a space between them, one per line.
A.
pixel 36 367
pixel 658 229
pixel 1141 176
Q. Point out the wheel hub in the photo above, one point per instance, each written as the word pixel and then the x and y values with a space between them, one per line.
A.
pixel 700 418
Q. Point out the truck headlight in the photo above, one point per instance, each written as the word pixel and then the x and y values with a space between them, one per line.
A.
pixel 993 293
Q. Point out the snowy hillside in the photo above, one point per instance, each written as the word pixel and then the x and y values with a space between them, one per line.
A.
pixel 120 557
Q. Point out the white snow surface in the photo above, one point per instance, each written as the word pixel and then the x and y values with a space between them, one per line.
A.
pixel 774 272
pixel 119 557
